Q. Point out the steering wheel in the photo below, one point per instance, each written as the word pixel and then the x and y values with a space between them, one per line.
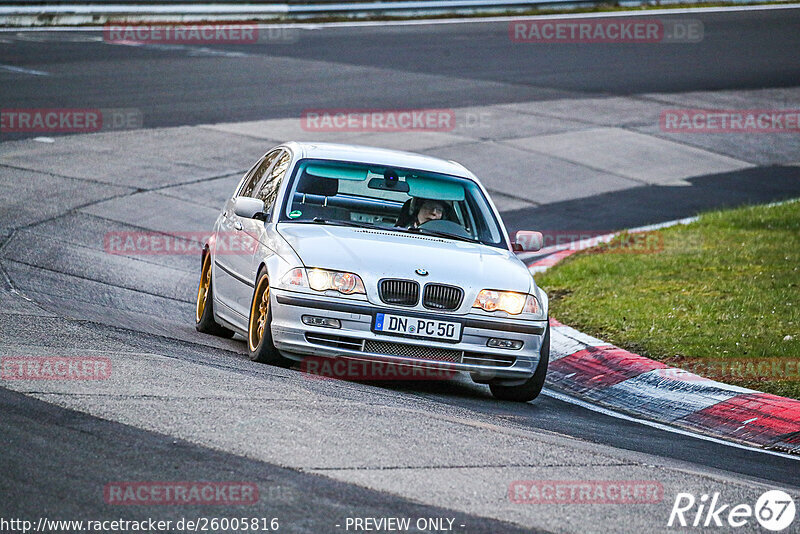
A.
pixel 442 225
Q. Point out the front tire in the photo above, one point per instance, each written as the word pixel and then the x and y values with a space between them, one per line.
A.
pixel 259 330
pixel 531 388
pixel 204 309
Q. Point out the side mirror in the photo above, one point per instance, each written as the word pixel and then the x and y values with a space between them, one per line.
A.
pixel 249 208
pixel 527 241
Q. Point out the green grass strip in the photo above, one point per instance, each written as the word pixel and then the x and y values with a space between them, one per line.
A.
pixel 720 297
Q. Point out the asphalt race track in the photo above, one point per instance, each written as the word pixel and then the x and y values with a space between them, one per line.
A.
pixel 567 137
pixel 471 64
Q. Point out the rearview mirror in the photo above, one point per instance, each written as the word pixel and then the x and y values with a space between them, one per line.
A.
pixel 528 241
pixel 249 208
pixel 388 185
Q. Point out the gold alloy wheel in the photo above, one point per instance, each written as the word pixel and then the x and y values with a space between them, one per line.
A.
pixel 258 313
pixel 202 290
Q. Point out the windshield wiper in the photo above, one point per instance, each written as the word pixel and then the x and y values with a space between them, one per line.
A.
pixel 336 222
pixel 356 224
pixel 443 234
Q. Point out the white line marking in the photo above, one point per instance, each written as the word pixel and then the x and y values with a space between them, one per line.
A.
pixel 42 37
pixel 20 70
pixel 583 404
pixel 190 50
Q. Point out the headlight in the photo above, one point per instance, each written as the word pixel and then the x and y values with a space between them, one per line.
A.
pixel 514 303
pixel 345 283
pixel 323 280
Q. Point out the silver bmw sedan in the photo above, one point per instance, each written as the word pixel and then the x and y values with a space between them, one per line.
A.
pixel 340 252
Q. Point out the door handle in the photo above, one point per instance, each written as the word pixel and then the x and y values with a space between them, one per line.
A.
pixel 237 225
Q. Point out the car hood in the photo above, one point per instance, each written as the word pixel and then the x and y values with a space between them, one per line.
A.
pixel 376 254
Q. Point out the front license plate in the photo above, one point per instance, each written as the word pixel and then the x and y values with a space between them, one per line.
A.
pixel 416 327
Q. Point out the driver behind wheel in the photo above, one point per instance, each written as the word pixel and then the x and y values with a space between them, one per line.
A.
pixel 429 210
pixel 422 210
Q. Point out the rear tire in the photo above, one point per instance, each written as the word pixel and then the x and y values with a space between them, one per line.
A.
pixel 259 329
pixel 533 386
pixel 204 309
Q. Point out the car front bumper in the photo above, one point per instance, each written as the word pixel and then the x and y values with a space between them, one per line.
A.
pixel 356 339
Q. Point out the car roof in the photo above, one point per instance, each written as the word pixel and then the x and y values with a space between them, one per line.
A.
pixel 378 156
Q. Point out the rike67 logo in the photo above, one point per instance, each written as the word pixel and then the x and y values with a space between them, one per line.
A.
pixel 774 510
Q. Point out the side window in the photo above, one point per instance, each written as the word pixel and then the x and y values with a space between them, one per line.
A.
pixel 253 182
pixel 460 209
pixel 268 189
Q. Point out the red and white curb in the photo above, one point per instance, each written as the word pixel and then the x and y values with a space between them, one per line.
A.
pixel 588 368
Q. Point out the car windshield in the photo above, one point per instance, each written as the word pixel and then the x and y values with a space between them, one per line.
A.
pixel 394 199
